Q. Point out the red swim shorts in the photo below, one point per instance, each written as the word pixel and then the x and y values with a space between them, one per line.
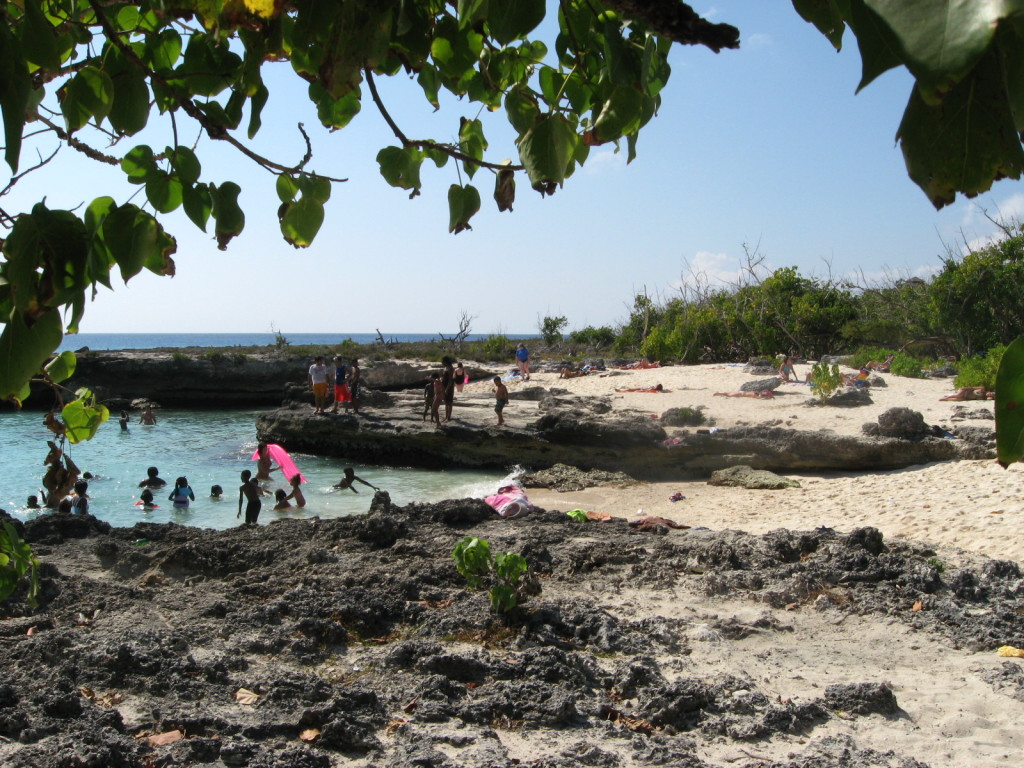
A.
pixel 342 394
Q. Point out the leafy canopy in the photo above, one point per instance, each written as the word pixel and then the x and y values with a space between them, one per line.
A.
pixel 90 75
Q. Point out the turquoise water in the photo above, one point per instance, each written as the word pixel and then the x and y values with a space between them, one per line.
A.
pixel 161 340
pixel 208 447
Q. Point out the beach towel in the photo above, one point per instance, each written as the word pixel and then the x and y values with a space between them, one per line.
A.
pixel 509 501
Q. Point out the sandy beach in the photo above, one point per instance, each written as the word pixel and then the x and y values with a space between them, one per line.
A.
pixel 973 505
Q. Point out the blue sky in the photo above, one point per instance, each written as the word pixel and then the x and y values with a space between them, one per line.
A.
pixel 767 146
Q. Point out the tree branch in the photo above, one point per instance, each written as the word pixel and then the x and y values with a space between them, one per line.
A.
pixel 678 22
pixel 448 149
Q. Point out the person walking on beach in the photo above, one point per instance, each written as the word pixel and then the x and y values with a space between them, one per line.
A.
pixel 351 477
pixel 500 399
pixel 355 383
pixel 318 383
pixel 342 394
pixel 250 492
pixel 523 359
pixel 181 493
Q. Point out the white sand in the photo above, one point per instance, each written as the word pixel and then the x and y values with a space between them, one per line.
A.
pixel 951 717
pixel 973 505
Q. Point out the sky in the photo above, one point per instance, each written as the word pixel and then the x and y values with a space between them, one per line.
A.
pixel 766 150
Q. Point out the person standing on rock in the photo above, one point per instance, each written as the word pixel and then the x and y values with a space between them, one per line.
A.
pixel 355 383
pixel 342 395
pixel 523 359
pixel 318 383
pixel 500 399
pixel 448 386
pixel 250 492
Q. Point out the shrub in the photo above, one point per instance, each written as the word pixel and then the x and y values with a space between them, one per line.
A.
pixel 215 356
pixel 239 358
pixel 593 337
pixel 905 365
pixel 551 329
pixel 683 417
pixel 180 357
pixel 980 370
pixel 497 347
pixel 825 379
pixel 504 571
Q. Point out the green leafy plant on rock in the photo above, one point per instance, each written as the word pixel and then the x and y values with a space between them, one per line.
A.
pixel 504 571
pixel 825 379
pixel 17 560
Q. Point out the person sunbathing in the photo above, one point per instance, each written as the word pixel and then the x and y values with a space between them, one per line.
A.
pixel 857 379
pixel 764 394
pixel 569 373
pixel 639 365
pixel 655 388
pixel 970 393
pixel 882 367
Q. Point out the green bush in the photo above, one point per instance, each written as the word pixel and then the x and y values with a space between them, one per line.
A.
pixel 497 347
pixel 683 417
pixel 551 329
pixel 180 357
pixel 824 380
pixel 905 365
pixel 215 356
pixel 980 370
pixel 593 337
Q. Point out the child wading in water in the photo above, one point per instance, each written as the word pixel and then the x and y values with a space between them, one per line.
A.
pixel 296 494
pixel 500 399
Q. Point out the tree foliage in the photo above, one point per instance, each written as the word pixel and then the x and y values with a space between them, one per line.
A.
pixel 90 75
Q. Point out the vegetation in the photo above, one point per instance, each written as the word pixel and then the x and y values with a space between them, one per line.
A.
pixel 16 561
pixel 825 379
pixel 551 329
pixel 504 571
pixel 980 370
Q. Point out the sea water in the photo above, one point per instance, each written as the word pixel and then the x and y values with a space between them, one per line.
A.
pixel 207 447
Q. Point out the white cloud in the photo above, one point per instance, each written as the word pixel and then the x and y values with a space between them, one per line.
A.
pixel 757 41
pixel 708 270
pixel 605 159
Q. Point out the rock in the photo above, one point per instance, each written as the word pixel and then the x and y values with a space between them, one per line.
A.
pixel 562 478
pixel 862 699
pixel 683 417
pixel 945 372
pixel 961 412
pixel 876 381
pixel 902 423
pixel 743 476
pixel 761 385
pixel 850 397
pixel 761 368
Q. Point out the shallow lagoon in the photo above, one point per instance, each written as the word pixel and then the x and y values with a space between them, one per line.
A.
pixel 208 447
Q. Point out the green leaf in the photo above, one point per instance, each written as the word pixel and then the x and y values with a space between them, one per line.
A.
pixel 14 93
pixel 227 213
pixel 335 113
pixel 82 417
pixel 38 40
pixel 879 47
pixel 256 104
pixel 136 240
pixel 522 110
pixel 472 143
pixel 302 221
pixel 578 515
pixel 430 81
pixel 164 192
pixel 942 40
pixel 129 112
pixel 545 151
pixel 287 189
pixel 1009 405
pixel 209 65
pixel 88 95
pixel 163 50
pixel 503 598
pixel 509 20
pixel 1011 49
pixel 24 348
pixel 826 16
pixel 315 187
pixel 401 167
pixel 620 115
pixel 185 164
pixel 471 12
pixel 198 204
pixel 463 203
pixel 965 143
pixel 140 164
pixel 62 367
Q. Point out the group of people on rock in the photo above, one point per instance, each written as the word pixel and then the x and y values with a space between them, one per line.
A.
pixel 342 380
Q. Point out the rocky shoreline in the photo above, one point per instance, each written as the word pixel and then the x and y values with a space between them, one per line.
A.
pixel 311 644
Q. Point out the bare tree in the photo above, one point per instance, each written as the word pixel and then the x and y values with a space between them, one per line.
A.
pixel 454 343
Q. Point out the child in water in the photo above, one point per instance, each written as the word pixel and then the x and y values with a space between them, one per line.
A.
pixel 351 477
pixel 282 500
pixel 181 493
pixel 146 500
pixel 215 492
pixel 295 482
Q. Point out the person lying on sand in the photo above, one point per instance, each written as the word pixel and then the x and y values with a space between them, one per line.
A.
pixel 639 365
pixel 569 373
pixel 764 394
pixel 970 393
pixel 882 367
pixel 655 388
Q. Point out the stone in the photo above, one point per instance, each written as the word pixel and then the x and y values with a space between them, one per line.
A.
pixel 743 476
pixel 761 385
pixel 850 397
pixel 902 423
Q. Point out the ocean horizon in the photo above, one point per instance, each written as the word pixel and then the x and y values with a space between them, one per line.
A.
pixel 115 341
